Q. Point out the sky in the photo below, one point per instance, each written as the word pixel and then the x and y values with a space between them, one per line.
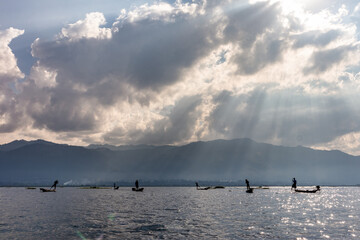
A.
pixel 173 72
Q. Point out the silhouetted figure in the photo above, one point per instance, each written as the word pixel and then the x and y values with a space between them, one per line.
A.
pixel 136 188
pixel 116 187
pixel 54 185
pixel 294 183
pixel 247 184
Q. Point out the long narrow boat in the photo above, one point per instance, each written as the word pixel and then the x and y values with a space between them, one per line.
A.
pixel 308 191
pixel 250 190
pixel 47 190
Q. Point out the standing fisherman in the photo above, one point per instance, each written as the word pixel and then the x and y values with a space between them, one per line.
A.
pixel 54 185
pixel 294 184
pixel 247 184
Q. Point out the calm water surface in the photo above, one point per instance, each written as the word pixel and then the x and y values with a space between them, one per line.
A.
pixel 179 213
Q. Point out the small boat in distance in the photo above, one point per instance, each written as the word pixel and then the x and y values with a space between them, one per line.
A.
pixel 136 188
pixel 116 187
pixel 47 190
pixel 207 188
pixel 250 190
pixel 52 188
pixel 308 191
pixel 201 188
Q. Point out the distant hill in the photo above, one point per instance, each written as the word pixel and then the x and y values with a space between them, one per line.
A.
pixel 21 143
pixel 120 148
pixel 228 161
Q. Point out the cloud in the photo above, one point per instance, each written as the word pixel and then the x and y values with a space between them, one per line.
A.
pixel 197 70
pixel 283 116
pixel 87 28
pixel 10 111
pixel 8 66
pixel 324 59
pixel 316 38
pixel 176 127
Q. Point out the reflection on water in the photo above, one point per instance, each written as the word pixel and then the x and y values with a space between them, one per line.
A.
pixel 180 212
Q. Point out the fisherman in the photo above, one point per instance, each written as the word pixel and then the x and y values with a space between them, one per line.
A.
pixel 136 184
pixel 54 185
pixel 294 184
pixel 247 184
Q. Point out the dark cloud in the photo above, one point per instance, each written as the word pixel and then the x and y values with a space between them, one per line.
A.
pixel 244 28
pixel 260 55
pixel 246 23
pixel 315 38
pixel 325 59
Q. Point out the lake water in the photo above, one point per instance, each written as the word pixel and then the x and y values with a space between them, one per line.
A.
pixel 179 213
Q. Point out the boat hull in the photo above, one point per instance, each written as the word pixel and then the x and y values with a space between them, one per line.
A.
pixel 47 190
pixel 137 189
pixel 305 191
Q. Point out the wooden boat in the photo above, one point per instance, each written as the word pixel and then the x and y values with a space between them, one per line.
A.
pixel 116 188
pixel 308 191
pixel 31 188
pixel 47 190
pixel 136 188
pixel 207 188
pixel 250 190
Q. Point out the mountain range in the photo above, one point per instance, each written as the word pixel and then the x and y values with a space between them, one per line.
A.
pixel 220 161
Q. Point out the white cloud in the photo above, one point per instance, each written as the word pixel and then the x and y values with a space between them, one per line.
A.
pixel 87 28
pixel 8 64
pixel 10 111
pixel 43 77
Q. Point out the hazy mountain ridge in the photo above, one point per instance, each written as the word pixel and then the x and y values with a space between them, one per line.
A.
pixel 121 147
pixel 21 143
pixel 219 160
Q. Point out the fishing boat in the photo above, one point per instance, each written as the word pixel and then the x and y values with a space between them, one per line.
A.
pixel 47 190
pixel 201 188
pixel 137 189
pixel 308 191
pixel 52 189
pixel 207 188
pixel 250 190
